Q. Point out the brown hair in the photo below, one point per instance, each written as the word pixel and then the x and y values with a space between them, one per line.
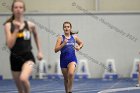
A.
pixel 13 17
pixel 71 32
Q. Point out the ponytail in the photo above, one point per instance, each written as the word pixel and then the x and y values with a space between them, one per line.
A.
pixel 71 32
pixel 10 19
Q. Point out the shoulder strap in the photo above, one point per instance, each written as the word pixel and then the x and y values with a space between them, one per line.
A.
pixel 63 38
pixel 12 26
pixel 26 25
pixel 73 38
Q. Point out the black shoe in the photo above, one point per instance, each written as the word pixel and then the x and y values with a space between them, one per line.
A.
pixel 137 85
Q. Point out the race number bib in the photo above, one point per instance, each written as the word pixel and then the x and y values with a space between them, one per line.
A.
pixel 27 35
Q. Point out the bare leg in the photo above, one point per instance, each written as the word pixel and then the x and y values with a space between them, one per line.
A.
pixel 25 74
pixel 71 71
pixel 65 75
pixel 16 78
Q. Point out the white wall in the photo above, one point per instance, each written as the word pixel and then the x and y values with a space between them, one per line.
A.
pixel 66 6
pixel 100 41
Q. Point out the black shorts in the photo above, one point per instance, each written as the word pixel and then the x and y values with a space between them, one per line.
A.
pixel 17 61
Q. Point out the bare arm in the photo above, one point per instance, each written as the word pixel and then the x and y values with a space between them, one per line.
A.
pixel 58 45
pixel 79 42
pixel 37 42
pixel 36 39
pixel 10 37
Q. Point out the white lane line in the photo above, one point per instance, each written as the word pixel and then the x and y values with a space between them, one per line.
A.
pixel 115 84
pixel 14 91
pixel 119 89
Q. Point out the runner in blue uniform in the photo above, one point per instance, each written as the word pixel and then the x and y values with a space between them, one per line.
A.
pixel 67 45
